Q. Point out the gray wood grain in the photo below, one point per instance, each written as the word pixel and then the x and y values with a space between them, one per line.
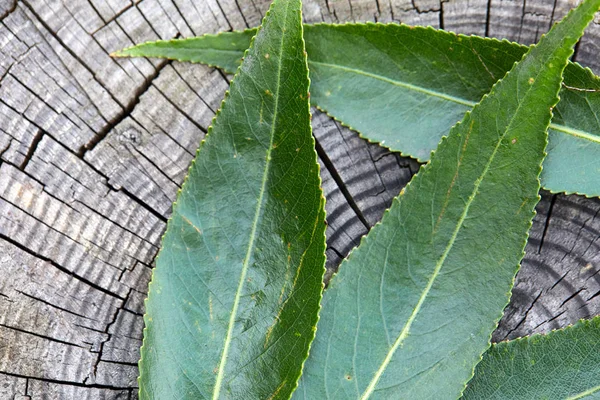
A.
pixel 93 150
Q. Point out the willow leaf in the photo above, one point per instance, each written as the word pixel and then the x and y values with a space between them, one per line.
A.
pixel 235 294
pixel 413 307
pixel 564 364
pixel 404 87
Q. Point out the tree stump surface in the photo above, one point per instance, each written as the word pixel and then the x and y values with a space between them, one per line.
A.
pixel 93 150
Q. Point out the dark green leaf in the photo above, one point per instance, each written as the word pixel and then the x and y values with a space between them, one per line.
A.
pixel 413 307
pixel 235 294
pixel 564 364
pixel 404 87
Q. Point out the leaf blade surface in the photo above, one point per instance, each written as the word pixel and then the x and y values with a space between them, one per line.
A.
pixel 413 307
pixel 404 87
pixel 562 364
pixel 235 294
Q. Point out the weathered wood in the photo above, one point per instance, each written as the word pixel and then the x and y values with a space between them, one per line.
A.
pixel 93 150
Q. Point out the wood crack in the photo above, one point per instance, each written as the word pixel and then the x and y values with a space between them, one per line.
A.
pixel 59 267
pixel 50 338
pixel 340 183
pixel 126 112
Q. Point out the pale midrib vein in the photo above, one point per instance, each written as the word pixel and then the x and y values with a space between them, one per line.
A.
pixel 398 83
pixel 584 394
pixel 436 271
pixel 251 243
pixel 191 48
pixel 560 128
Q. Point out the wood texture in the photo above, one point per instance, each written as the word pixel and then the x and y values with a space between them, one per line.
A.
pixel 92 151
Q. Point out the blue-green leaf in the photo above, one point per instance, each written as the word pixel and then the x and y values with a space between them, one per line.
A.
pixel 564 364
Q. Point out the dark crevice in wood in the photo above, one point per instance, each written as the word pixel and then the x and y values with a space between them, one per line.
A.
pixel 441 21
pixel 5 149
pixel 108 334
pixel 113 18
pixel 185 82
pixel 175 106
pixel 524 317
pixel 59 267
pixel 593 296
pixel 66 383
pixel 224 75
pixel 329 8
pixel 88 328
pixel 336 251
pixel 145 19
pixel 237 4
pixel 34 144
pixel 224 15
pixel 340 255
pixel 487 18
pixel 91 3
pixel 125 112
pixel 340 183
pixel 55 306
pixel 575 51
pixel 10 9
pixel 341 230
pixel 551 319
pixel 176 6
pixel 142 204
pixel 134 150
pixel 559 280
pixel 571 297
pixel 351 11
pixel 547 223
pixel 378 9
pixel 129 364
pixel 522 20
pixel 40 336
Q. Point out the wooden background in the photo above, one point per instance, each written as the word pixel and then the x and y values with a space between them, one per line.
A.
pixel 92 151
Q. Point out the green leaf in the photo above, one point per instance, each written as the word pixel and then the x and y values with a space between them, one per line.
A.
pixel 564 364
pixel 234 298
pixel 404 87
pixel 413 307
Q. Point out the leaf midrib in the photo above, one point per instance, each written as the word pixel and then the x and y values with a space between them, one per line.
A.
pixel 557 127
pixel 252 240
pixel 438 267
pixel 430 282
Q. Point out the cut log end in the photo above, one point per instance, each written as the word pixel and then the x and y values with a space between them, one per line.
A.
pixel 93 150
